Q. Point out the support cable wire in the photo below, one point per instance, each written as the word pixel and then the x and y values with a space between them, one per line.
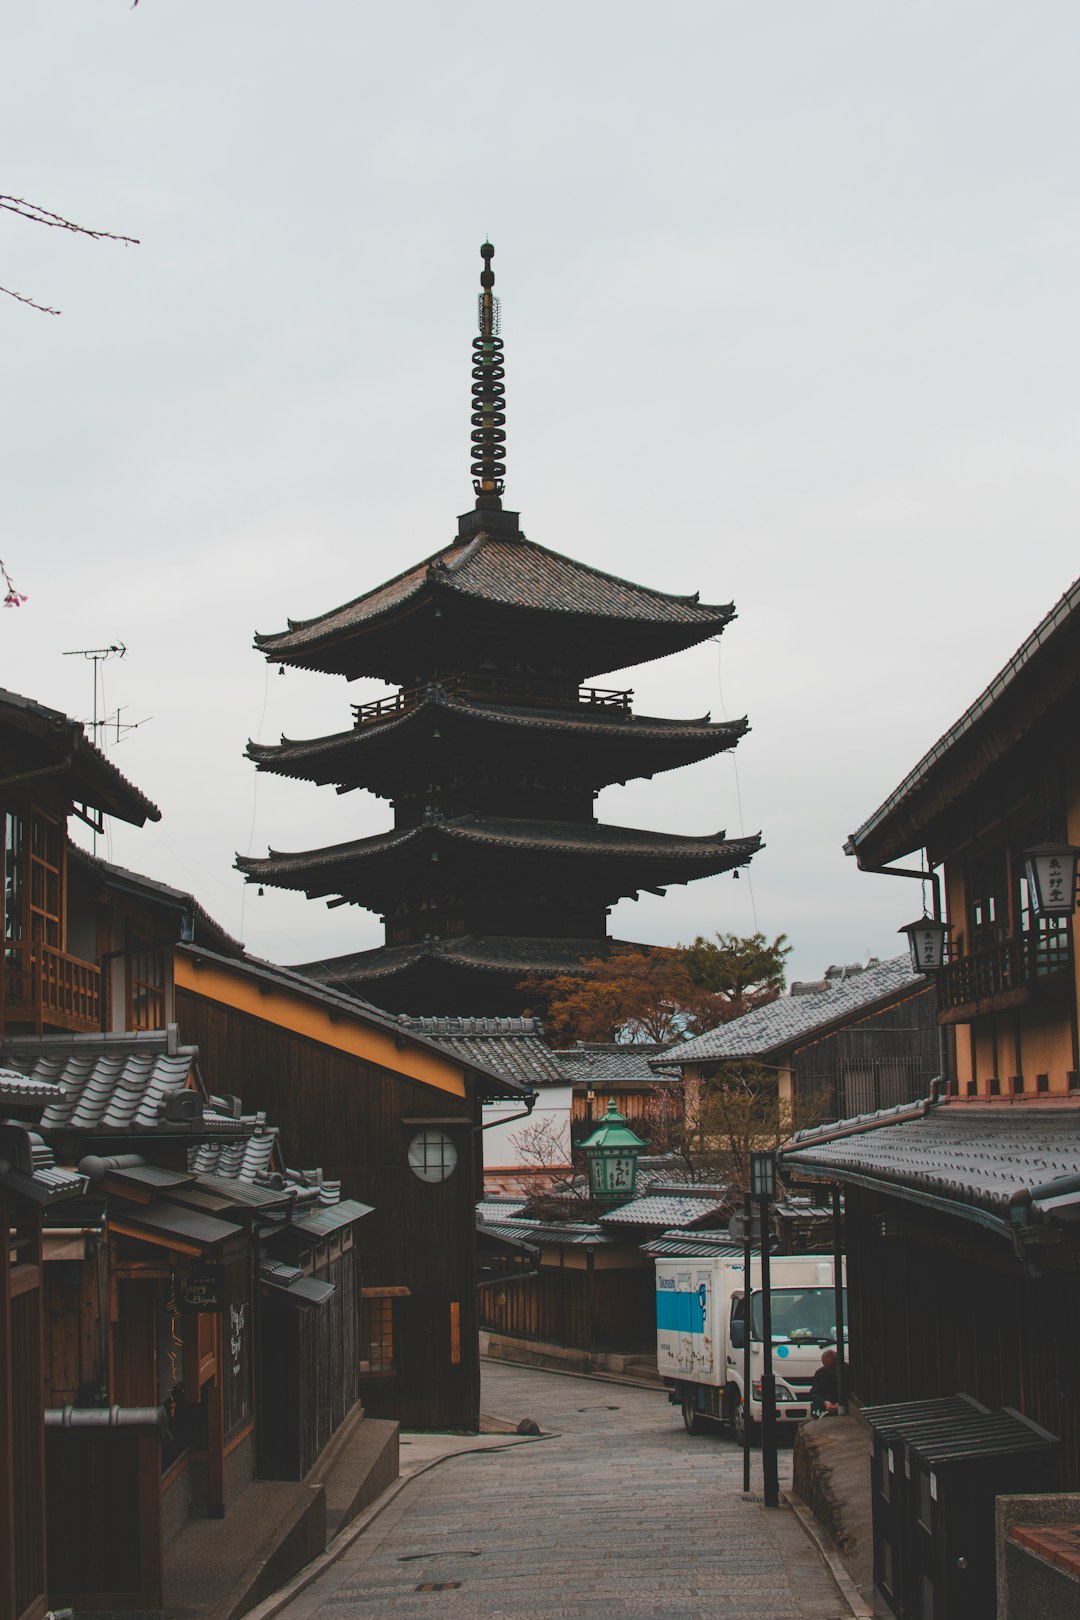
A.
pixel 254 795
pixel 735 768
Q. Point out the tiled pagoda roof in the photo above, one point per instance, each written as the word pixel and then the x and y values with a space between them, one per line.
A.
pixel 661 858
pixel 511 575
pixel 517 955
pixel 633 744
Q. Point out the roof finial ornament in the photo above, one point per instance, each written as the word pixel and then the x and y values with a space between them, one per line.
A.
pixel 488 396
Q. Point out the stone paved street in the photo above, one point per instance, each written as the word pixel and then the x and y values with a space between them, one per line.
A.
pixel 623 1514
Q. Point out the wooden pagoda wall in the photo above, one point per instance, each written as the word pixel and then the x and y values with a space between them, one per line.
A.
pixel 940 1305
pixel 348 1116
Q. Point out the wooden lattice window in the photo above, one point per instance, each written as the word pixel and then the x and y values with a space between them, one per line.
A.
pixel 146 988
pixel 46 880
pixel 377 1336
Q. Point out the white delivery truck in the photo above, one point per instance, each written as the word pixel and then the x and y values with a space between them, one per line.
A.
pixel 701 1317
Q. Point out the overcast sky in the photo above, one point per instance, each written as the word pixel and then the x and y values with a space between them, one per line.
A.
pixel 789 301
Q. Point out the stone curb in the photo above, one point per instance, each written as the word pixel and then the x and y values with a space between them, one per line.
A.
pixel 850 1593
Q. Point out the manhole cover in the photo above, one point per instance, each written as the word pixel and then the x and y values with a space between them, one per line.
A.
pixel 438 1586
pixel 748 1496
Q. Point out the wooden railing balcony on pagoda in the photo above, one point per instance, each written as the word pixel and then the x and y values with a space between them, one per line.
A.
pixel 1010 973
pixel 497 689
pixel 47 989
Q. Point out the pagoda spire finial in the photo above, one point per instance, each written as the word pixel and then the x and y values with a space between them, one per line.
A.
pixel 488 396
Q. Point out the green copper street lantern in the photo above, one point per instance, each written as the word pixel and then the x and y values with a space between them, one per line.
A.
pixel 611 1153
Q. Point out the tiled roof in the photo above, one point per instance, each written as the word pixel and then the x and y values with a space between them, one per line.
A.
pixel 18 1087
pixel 512 572
pixel 112 1082
pixel 338 757
pixel 91 777
pixel 150 890
pixel 1061 619
pixel 662 855
pixel 612 1061
pixel 693 1245
pixel 972 1157
pixel 672 1208
pixel 247 1160
pixel 511 1046
pixel 495 953
pixel 499 1209
pixel 788 1020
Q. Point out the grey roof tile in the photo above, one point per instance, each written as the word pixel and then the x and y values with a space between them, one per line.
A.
pixel 681 1208
pixel 786 1021
pixel 975 1157
pixel 510 1046
pixel 514 572
pixel 629 1062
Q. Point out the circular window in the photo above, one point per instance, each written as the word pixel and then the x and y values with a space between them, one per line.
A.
pixel 432 1156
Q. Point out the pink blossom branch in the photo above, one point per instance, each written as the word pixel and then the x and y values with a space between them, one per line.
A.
pixel 14 598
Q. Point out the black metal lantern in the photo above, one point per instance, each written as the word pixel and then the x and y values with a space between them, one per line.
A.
pixel 926 939
pixel 1051 875
pixel 763 1175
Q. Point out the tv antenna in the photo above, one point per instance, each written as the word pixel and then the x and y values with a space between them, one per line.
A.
pixel 99 655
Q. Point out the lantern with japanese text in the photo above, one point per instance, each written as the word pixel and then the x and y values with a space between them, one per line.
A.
pixel 611 1153
pixel 926 938
pixel 1051 876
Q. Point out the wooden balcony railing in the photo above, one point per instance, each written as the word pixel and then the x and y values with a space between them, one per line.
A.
pixel 49 989
pixel 544 694
pixel 1005 974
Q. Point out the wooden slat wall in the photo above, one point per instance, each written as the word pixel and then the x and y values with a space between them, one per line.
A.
pixel 344 1115
pixel 552 1306
pixel 905 1034
pixel 942 1306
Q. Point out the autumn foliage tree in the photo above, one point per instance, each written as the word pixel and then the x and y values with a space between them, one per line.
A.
pixel 661 993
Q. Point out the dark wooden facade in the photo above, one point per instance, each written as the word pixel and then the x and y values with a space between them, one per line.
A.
pixel 309 1362
pixel 22 1459
pixel 877 1061
pixel 357 1119
pixel 939 1305
pixel 579 1307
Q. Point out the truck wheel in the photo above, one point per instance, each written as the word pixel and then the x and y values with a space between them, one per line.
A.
pixel 737 1419
pixel 693 1422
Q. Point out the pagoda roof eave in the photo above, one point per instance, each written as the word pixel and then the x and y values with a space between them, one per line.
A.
pixel 349 869
pixel 510 575
pixel 337 757
pixel 474 953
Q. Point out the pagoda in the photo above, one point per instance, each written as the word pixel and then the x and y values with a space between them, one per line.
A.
pixel 492 750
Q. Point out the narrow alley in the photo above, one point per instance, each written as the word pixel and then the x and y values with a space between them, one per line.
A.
pixel 616 1512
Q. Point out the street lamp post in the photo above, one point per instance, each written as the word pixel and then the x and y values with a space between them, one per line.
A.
pixel 763 1188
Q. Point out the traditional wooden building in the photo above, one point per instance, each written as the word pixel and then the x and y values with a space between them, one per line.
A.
pixel 962 1210
pixel 859 1039
pixel 50 969
pixel 492 750
pixel 394 1117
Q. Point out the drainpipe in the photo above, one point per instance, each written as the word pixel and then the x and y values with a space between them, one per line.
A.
pixel 931 877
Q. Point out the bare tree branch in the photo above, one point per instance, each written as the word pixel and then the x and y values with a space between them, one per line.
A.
pixel 45 216
pixel 46 309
